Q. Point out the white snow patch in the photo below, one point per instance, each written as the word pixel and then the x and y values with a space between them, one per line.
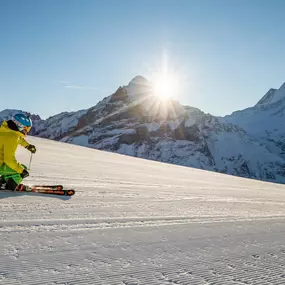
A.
pixel 136 221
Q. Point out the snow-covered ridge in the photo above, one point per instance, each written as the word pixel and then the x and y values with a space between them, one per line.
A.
pixel 249 143
pixel 268 97
pixel 59 125
pixel 265 121
pixel 273 95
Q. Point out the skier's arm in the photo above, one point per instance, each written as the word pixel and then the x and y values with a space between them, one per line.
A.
pixel 10 148
pixel 23 142
pixel 28 146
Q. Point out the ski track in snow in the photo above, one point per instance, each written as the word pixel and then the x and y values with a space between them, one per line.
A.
pixel 135 221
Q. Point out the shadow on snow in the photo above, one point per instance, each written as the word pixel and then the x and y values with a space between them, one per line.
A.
pixel 8 194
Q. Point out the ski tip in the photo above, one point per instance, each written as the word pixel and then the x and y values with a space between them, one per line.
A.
pixel 69 192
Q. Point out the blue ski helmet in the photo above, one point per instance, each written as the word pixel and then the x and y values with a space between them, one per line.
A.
pixel 23 122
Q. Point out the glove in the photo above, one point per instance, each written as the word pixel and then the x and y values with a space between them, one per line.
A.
pixel 24 174
pixel 31 148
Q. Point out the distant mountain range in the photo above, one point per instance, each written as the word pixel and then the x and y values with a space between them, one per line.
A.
pixel 248 143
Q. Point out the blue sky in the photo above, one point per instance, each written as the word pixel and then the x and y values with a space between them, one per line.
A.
pixel 66 55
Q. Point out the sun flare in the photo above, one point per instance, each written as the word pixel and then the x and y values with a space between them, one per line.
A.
pixel 165 86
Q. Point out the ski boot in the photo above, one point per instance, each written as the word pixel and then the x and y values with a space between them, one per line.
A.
pixel 11 185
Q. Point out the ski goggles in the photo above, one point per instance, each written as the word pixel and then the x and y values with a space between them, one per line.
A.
pixel 25 130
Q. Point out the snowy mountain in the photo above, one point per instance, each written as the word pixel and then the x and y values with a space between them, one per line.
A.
pixel 248 143
pixel 265 121
pixel 58 126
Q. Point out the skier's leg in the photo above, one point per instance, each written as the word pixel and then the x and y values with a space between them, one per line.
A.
pixel 11 177
pixel 11 184
pixel 13 181
pixel 2 173
pixel 2 181
pixel 6 171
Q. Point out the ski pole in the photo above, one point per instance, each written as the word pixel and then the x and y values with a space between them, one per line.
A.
pixel 30 164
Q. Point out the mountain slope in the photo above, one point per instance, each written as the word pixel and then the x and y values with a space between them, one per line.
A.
pixel 144 127
pixel 265 120
pixel 135 221
pixel 131 121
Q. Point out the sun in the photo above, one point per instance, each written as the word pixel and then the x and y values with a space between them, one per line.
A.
pixel 165 86
pixel 167 78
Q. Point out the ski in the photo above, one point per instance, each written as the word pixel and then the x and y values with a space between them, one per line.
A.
pixel 45 190
pixel 56 187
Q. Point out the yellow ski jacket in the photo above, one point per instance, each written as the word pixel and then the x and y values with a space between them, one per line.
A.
pixel 9 141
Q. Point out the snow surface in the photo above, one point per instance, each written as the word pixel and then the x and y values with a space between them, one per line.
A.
pixel 134 221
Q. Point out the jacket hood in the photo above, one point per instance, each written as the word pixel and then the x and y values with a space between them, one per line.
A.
pixel 10 125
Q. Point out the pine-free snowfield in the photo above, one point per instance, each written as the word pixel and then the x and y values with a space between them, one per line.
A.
pixel 135 221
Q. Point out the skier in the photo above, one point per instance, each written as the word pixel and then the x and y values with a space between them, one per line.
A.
pixel 12 134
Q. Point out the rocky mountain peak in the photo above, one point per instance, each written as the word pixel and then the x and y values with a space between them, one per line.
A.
pixel 139 80
pixel 272 96
pixel 267 97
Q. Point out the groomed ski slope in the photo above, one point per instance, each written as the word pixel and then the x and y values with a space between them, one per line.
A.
pixel 135 221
